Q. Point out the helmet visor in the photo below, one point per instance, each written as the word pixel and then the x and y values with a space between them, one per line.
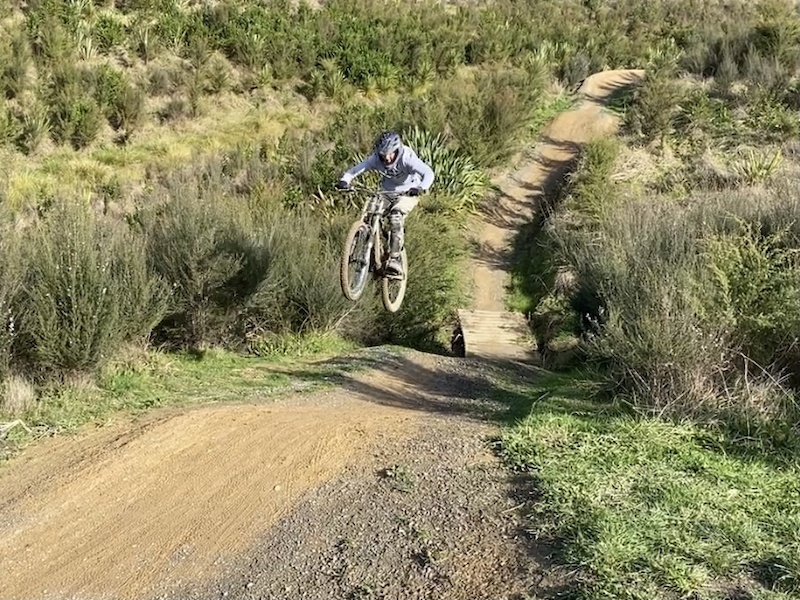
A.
pixel 388 159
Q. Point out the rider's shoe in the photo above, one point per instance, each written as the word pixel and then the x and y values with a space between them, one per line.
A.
pixel 394 267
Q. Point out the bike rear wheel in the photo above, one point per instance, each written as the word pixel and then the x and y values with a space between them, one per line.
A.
pixel 393 289
pixel 355 261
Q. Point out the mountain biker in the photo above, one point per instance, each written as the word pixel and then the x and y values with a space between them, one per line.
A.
pixel 403 172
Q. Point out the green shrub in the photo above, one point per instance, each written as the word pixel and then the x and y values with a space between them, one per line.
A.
pixel 218 75
pixel 590 191
pixel 34 128
pixel 74 115
pixel 9 128
pixel 50 42
pixel 144 42
pixel 192 244
pixel 488 116
pixel 109 32
pixel 87 289
pixel 459 183
pixel 312 167
pixel 770 120
pixel 757 285
pixel 127 113
pixel 299 290
pixel 159 82
pixel 14 72
pixel 173 110
pixel 11 273
pixel 436 284
pixel 84 122
pixel 107 85
pixel 656 106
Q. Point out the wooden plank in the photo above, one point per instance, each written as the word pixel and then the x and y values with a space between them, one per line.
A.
pixel 494 334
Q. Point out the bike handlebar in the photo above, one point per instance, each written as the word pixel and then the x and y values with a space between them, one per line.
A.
pixel 358 188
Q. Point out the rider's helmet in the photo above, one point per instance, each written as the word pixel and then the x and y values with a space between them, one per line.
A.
pixel 387 147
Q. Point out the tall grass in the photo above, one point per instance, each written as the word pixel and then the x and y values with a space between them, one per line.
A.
pixel 689 307
pixel 11 281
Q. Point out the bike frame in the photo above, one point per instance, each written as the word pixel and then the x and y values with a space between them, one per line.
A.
pixel 375 210
pixel 373 223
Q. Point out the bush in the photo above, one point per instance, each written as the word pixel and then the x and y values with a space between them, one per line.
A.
pixel 590 191
pixel 656 105
pixel 690 312
pixel 757 285
pixel 108 84
pixel 34 128
pixel 108 32
pixel 770 120
pixel 74 116
pixel 436 284
pixel 299 290
pixel 87 290
pixel 241 270
pixel 50 42
pixel 83 121
pixel 10 287
pixel 459 183
pixel 14 73
pixel 9 128
pixel 127 113
pixel 689 308
pixel 192 243
pixel 488 116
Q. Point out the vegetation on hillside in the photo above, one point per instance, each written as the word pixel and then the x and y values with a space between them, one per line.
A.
pixel 667 269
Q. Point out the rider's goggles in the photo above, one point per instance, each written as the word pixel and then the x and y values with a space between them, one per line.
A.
pixel 388 159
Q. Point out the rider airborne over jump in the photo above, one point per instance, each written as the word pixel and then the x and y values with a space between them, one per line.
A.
pixel 403 172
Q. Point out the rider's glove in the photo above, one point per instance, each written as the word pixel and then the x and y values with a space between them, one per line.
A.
pixel 414 192
pixel 342 185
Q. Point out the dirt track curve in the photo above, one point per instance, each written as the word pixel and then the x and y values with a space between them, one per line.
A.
pixel 383 486
pixel 490 331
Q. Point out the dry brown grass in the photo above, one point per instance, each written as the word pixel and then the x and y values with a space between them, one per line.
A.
pixel 19 396
pixel 228 119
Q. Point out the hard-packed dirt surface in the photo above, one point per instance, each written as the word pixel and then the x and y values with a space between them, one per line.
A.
pixel 120 511
pixel 429 514
pixel 386 487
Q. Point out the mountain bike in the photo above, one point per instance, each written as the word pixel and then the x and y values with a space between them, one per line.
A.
pixel 366 250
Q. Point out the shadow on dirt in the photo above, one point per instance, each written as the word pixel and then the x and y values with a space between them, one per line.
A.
pixel 471 389
pixel 466 387
pixel 504 210
pixel 610 92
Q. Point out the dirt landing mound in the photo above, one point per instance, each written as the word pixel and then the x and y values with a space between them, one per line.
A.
pixel 432 515
pixel 122 510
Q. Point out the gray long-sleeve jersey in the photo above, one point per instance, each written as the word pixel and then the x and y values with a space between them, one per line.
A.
pixel 409 171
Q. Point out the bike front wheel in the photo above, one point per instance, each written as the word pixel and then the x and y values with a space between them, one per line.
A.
pixel 393 289
pixel 355 261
